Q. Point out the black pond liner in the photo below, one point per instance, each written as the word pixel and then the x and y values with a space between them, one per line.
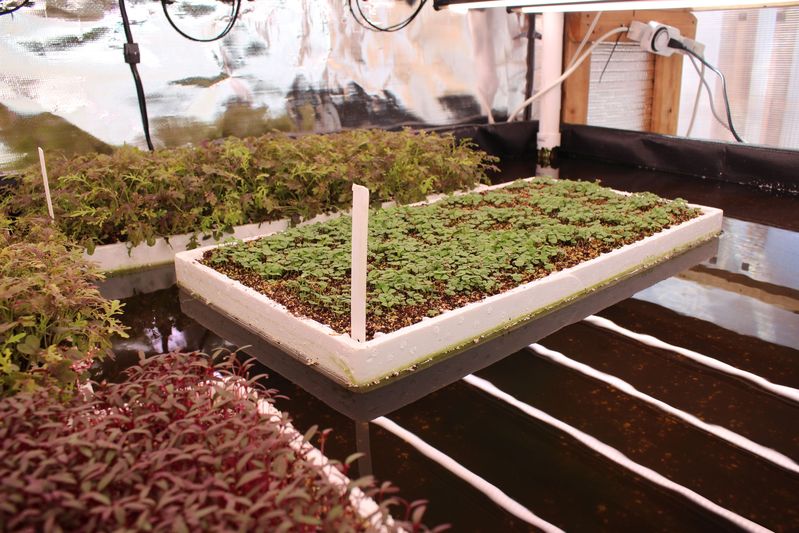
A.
pixel 551 474
pixel 771 169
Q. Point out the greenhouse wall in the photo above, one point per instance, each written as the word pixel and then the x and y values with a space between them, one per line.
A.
pixel 289 65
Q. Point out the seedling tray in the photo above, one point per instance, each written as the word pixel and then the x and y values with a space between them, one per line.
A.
pixel 360 366
pixel 121 258
pixel 364 404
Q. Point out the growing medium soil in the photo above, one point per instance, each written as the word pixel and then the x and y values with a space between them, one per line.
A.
pixel 426 260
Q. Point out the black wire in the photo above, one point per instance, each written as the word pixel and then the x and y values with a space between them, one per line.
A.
pixel 392 28
pixel 7 11
pixel 673 43
pixel 130 47
pixel 142 106
pixel 609 57
pixel 374 27
pixel 234 15
pixel 530 76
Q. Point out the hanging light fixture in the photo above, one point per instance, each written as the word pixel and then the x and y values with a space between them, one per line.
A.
pixel 565 6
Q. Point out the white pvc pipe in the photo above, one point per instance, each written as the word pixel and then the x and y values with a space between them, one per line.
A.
pixel 491 491
pixel 551 67
pixel 616 456
pixel 785 391
pixel 484 59
pixel 736 439
pixel 360 232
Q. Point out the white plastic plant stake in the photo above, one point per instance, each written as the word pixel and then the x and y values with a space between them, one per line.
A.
pixel 360 232
pixel 46 184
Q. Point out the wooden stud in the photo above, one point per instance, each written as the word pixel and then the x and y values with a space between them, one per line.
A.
pixel 668 70
pixel 574 106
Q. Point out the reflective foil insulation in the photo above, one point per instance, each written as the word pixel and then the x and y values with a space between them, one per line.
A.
pixel 289 65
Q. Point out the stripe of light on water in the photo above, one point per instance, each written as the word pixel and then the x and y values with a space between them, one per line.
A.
pixel 732 437
pixel 615 455
pixel 491 491
pixel 781 390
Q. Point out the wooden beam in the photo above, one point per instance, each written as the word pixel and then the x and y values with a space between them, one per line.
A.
pixel 666 94
pixel 578 23
pixel 667 75
pixel 574 100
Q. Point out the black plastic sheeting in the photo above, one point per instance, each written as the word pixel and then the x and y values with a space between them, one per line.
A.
pixel 508 140
pixel 771 169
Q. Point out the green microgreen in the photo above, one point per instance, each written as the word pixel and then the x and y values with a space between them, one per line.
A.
pixel 427 259
pixel 135 196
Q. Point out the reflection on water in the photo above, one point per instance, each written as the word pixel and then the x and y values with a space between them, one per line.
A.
pixel 750 317
pixel 157 326
pixel 297 65
pixel 760 252
pixel 756 273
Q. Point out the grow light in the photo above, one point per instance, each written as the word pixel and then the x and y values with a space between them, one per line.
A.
pixel 363 364
pixel 542 6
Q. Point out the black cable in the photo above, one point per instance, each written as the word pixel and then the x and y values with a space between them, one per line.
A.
pixel 132 57
pixel 392 28
pixel 374 27
pixel 234 15
pixel 530 76
pixel 7 11
pixel 673 43
pixel 609 57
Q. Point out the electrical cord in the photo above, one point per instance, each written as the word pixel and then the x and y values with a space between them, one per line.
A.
pixel 132 57
pixel 610 56
pixel 709 93
pixel 8 11
pixel 235 7
pixel 569 71
pixel 364 21
pixel 484 101
pixel 673 43
pixel 530 74
pixel 587 36
pixel 697 97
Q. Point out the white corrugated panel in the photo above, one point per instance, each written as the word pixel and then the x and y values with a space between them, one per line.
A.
pixel 758 52
pixel 622 96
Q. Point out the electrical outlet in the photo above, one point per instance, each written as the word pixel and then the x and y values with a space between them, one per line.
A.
pixel 654 37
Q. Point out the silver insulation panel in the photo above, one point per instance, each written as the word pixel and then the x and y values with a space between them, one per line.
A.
pixel 292 65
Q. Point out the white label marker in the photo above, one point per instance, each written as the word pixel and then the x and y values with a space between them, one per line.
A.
pixel 46 184
pixel 360 232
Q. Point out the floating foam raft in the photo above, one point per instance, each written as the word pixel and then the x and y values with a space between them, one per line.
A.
pixel 120 258
pixel 361 365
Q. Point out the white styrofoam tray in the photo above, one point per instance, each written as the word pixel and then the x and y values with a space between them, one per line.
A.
pixel 121 257
pixel 355 364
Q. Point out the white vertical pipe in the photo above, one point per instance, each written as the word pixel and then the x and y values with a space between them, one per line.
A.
pixel 551 69
pixel 484 58
pixel 46 184
pixel 360 232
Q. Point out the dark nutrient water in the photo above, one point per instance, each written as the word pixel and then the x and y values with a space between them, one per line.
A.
pixel 739 309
